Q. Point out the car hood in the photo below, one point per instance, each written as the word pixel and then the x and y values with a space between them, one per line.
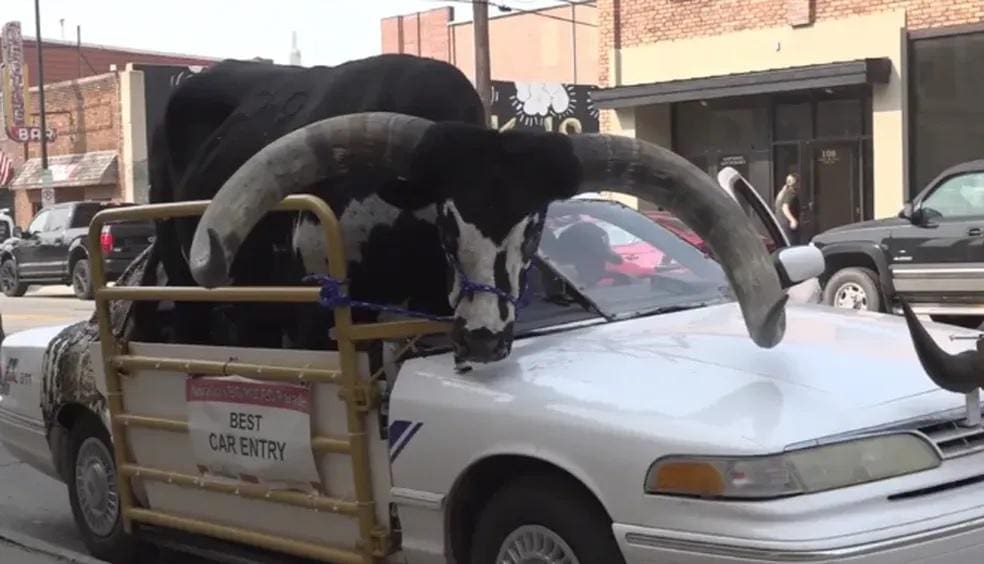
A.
pixel 860 230
pixel 835 371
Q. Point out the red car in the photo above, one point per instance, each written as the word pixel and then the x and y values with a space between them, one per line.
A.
pixel 678 227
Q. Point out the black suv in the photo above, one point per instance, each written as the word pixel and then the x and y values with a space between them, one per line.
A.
pixel 53 249
pixel 932 254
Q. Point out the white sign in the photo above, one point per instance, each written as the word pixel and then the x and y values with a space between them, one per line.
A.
pixel 253 431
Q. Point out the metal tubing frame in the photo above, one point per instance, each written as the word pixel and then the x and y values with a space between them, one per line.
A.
pixel 375 539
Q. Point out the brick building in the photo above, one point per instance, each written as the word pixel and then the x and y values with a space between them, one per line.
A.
pixel 866 100
pixel 65 60
pixel 543 62
pixel 550 44
pixel 100 121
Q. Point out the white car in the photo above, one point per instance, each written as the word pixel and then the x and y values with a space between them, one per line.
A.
pixel 633 422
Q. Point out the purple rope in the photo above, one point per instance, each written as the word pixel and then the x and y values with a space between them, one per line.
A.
pixel 331 296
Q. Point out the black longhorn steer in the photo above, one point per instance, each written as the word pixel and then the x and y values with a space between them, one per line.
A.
pixel 438 212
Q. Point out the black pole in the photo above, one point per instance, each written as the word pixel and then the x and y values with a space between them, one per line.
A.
pixel 44 125
pixel 574 39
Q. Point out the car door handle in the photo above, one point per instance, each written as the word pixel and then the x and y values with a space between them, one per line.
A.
pixel 975 231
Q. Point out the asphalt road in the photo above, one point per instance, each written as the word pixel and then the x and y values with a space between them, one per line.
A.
pixel 41 306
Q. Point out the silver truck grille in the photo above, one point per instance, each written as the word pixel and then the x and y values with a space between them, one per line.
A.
pixel 954 439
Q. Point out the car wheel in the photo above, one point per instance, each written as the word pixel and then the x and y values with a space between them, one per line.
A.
pixel 10 282
pixel 93 494
pixel 544 520
pixel 81 282
pixel 853 288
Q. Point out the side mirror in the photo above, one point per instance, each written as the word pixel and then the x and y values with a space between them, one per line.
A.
pixel 799 263
pixel 925 217
pixel 4 211
pixel 18 232
pixel 906 212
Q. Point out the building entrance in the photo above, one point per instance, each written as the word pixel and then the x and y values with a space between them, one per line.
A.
pixel 823 137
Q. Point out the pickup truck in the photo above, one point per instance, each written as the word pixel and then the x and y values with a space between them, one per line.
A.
pixel 53 248
pixel 931 255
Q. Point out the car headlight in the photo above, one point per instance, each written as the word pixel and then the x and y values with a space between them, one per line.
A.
pixel 794 472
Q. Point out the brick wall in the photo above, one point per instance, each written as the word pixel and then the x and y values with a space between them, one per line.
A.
pixel 628 23
pixel 422 33
pixel 86 117
pixel 62 60
pixel 649 21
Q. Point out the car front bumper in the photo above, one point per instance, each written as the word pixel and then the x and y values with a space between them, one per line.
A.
pixel 957 543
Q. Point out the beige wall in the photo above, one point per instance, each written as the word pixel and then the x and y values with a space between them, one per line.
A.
pixel 533 47
pixel 827 41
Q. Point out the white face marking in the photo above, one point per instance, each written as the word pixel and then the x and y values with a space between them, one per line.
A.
pixel 357 222
pixel 477 255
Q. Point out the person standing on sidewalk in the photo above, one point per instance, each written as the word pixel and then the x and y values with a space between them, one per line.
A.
pixel 787 209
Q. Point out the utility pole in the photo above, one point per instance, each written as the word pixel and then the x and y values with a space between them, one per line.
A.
pixel 44 126
pixel 483 68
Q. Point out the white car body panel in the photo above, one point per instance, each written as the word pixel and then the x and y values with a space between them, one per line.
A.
pixel 21 426
pixel 604 402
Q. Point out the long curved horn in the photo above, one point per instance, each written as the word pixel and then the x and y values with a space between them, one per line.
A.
pixel 290 164
pixel 959 373
pixel 653 173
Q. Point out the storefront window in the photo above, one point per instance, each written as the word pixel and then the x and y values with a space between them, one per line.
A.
pixel 793 122
pixel 945 104
pixel 839 118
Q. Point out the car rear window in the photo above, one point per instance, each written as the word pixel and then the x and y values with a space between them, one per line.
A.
pixel 84 213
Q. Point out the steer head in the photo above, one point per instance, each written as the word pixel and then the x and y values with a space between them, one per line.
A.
pixel 492 190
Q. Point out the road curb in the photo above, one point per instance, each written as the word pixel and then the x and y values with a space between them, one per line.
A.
pixel 32 544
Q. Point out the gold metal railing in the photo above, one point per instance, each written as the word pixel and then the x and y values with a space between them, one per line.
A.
pixel 375 539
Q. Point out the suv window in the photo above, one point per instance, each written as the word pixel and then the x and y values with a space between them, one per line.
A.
pixel 958 196
pixel 58 219
pixel 37 224
pixel 84 214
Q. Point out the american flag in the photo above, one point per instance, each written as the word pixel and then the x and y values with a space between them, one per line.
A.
pixel 6 169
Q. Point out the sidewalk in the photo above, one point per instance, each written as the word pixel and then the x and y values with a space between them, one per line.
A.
pixel 16 548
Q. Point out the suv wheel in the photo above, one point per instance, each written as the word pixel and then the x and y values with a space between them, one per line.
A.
pixel 10 282
pixel 853 288
pixel 81 282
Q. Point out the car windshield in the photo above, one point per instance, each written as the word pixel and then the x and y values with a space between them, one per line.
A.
pixel 624 263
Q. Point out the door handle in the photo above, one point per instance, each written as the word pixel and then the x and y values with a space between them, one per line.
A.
pixel 975 231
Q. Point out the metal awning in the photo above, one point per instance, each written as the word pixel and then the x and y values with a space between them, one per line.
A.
pixel 79 169
pixel 791 79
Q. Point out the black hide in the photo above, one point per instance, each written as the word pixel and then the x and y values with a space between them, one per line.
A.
pixel 216 120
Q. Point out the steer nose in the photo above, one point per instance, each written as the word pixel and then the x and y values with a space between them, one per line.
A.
pixel 478 345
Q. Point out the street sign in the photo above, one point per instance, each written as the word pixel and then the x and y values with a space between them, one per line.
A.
pixel 47 192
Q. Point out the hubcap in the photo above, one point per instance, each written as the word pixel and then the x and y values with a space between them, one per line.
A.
pixel 851 296
pixel 95 482
pixel 79 282
pixel 535 544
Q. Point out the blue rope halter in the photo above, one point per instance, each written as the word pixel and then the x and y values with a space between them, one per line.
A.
pixel 332 294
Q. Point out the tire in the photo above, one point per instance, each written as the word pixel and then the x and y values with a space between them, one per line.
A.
pixel 856 284
pixel 9 280
pixel 554 516
pixel 93 470
pixel 965 321
pixel 81 281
